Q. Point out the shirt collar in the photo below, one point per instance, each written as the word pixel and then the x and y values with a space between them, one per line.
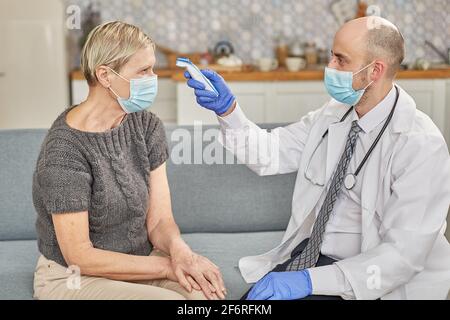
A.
pixel 377 115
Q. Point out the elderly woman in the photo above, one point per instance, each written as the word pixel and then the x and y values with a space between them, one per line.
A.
pixel 105 225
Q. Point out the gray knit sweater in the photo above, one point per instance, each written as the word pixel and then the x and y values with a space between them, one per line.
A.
pixel 106 174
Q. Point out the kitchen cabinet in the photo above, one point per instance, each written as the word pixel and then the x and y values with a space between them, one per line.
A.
pixel 430 97
pixel 165 103
pixel 288 101
pixel 262 102
pixel 33 75
pixel 447 114
pixel 79 91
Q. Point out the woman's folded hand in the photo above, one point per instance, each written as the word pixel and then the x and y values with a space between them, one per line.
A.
pixel 194 271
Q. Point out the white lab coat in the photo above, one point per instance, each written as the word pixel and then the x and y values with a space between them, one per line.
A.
pixel 404 201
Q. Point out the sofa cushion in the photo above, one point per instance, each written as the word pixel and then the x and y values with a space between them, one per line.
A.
pixel 17 263
pixel 225 197
pixel 19 151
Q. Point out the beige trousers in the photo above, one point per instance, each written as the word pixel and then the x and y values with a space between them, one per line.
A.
pixel 53 281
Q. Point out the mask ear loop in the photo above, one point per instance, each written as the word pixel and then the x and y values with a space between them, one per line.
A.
pixel 110 88
pixel 364 69
pixel 368 85
pixel 119 75
pixel 355 72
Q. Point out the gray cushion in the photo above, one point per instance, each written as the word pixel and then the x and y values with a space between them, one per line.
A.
pixel 18 260
pixel 19 151
pixel 227 198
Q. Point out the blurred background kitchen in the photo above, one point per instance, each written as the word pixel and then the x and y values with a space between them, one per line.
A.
pixel 272 53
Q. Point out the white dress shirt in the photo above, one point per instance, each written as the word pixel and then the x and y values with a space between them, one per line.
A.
pixel 342 238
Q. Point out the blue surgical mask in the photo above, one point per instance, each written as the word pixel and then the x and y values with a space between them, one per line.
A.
pixel 143 92
pixel 339 85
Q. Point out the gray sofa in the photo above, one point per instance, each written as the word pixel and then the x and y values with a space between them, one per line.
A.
pixel 224 212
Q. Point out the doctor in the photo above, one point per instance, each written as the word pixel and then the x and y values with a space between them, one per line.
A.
pixel 373 183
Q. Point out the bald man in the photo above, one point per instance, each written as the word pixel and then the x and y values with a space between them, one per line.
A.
pixel 373 184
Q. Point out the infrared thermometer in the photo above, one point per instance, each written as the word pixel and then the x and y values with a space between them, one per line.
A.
pixel 196 74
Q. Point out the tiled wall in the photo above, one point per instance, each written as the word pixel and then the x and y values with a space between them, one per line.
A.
pixel 253 25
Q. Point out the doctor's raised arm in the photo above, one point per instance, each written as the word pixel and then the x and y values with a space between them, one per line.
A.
pixel 266 153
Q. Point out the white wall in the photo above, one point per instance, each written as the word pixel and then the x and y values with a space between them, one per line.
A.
pixel 34 87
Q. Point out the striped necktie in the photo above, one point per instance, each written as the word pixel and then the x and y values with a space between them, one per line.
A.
pixel 309 256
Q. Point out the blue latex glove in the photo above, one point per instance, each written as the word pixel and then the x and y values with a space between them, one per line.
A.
pixel 282 286
pixel 206 98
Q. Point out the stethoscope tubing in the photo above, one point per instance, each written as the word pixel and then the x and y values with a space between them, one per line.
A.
pixel 374 144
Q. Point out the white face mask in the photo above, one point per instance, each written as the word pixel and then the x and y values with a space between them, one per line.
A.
pixel 339 85
pixel 143 92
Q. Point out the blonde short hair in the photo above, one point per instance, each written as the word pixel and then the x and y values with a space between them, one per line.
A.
pixel 111 44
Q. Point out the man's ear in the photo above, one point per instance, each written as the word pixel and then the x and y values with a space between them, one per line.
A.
pixel 103 76
pixel 379 70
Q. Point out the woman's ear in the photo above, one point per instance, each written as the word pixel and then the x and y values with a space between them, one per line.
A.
pixel 102 75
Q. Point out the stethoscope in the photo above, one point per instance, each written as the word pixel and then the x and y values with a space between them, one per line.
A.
pixel 350 178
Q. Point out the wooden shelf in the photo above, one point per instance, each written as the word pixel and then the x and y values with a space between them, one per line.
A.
pixel 284 75
pixel 305 75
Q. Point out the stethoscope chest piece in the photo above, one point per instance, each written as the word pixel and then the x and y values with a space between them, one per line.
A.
pixel 349 181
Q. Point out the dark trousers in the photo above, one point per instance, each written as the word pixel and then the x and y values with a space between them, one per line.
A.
pixel 323 261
